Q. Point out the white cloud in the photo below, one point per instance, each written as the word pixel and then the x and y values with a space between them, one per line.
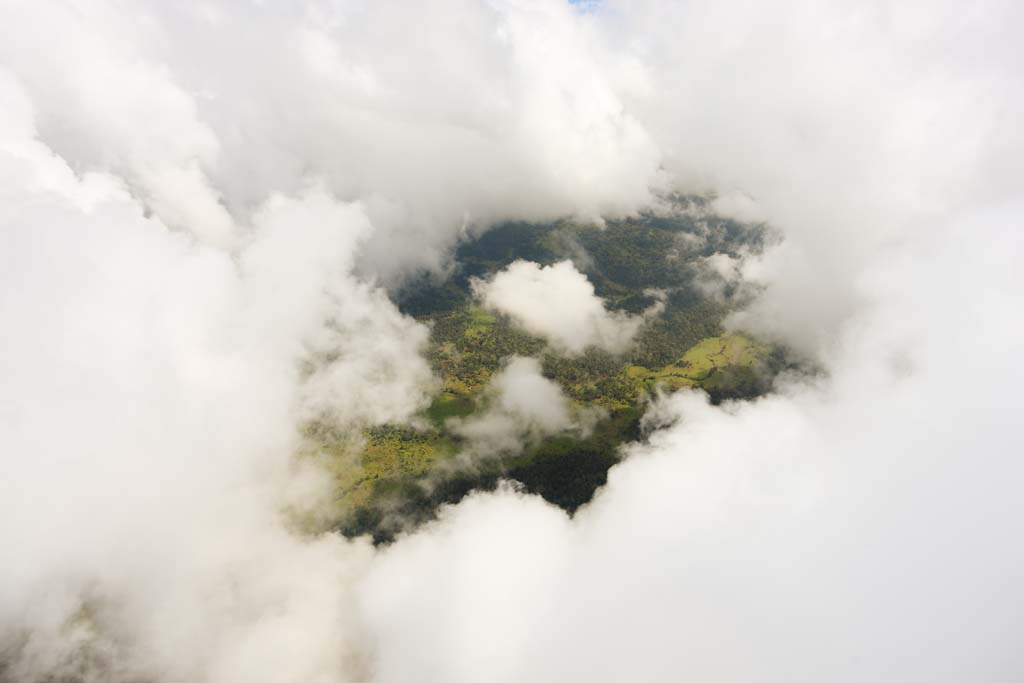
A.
pixel 506 112
pixel 521 406
pixel 716 272
pixel 151 389
pixel 559 303
pixel 844 530
pixel 152 375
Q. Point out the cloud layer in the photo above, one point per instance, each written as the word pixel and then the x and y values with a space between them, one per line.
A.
pixel 199 205
pixel 846 530
pixel 558 302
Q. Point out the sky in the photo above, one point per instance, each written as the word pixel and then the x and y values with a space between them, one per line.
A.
pixel 204 207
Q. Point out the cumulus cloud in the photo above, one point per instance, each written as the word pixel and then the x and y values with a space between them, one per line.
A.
pixel 152 391
pixel 558 302
pixel 521 407
pixel 505 111
pixel 843 530
pixel 855 142
pixel 199 203
pixel 718 272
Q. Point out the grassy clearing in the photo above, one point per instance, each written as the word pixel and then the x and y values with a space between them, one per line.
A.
pixel 719 352
pixel 712 363
pixel 449 404
pixel 392 453
pixel 479 322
